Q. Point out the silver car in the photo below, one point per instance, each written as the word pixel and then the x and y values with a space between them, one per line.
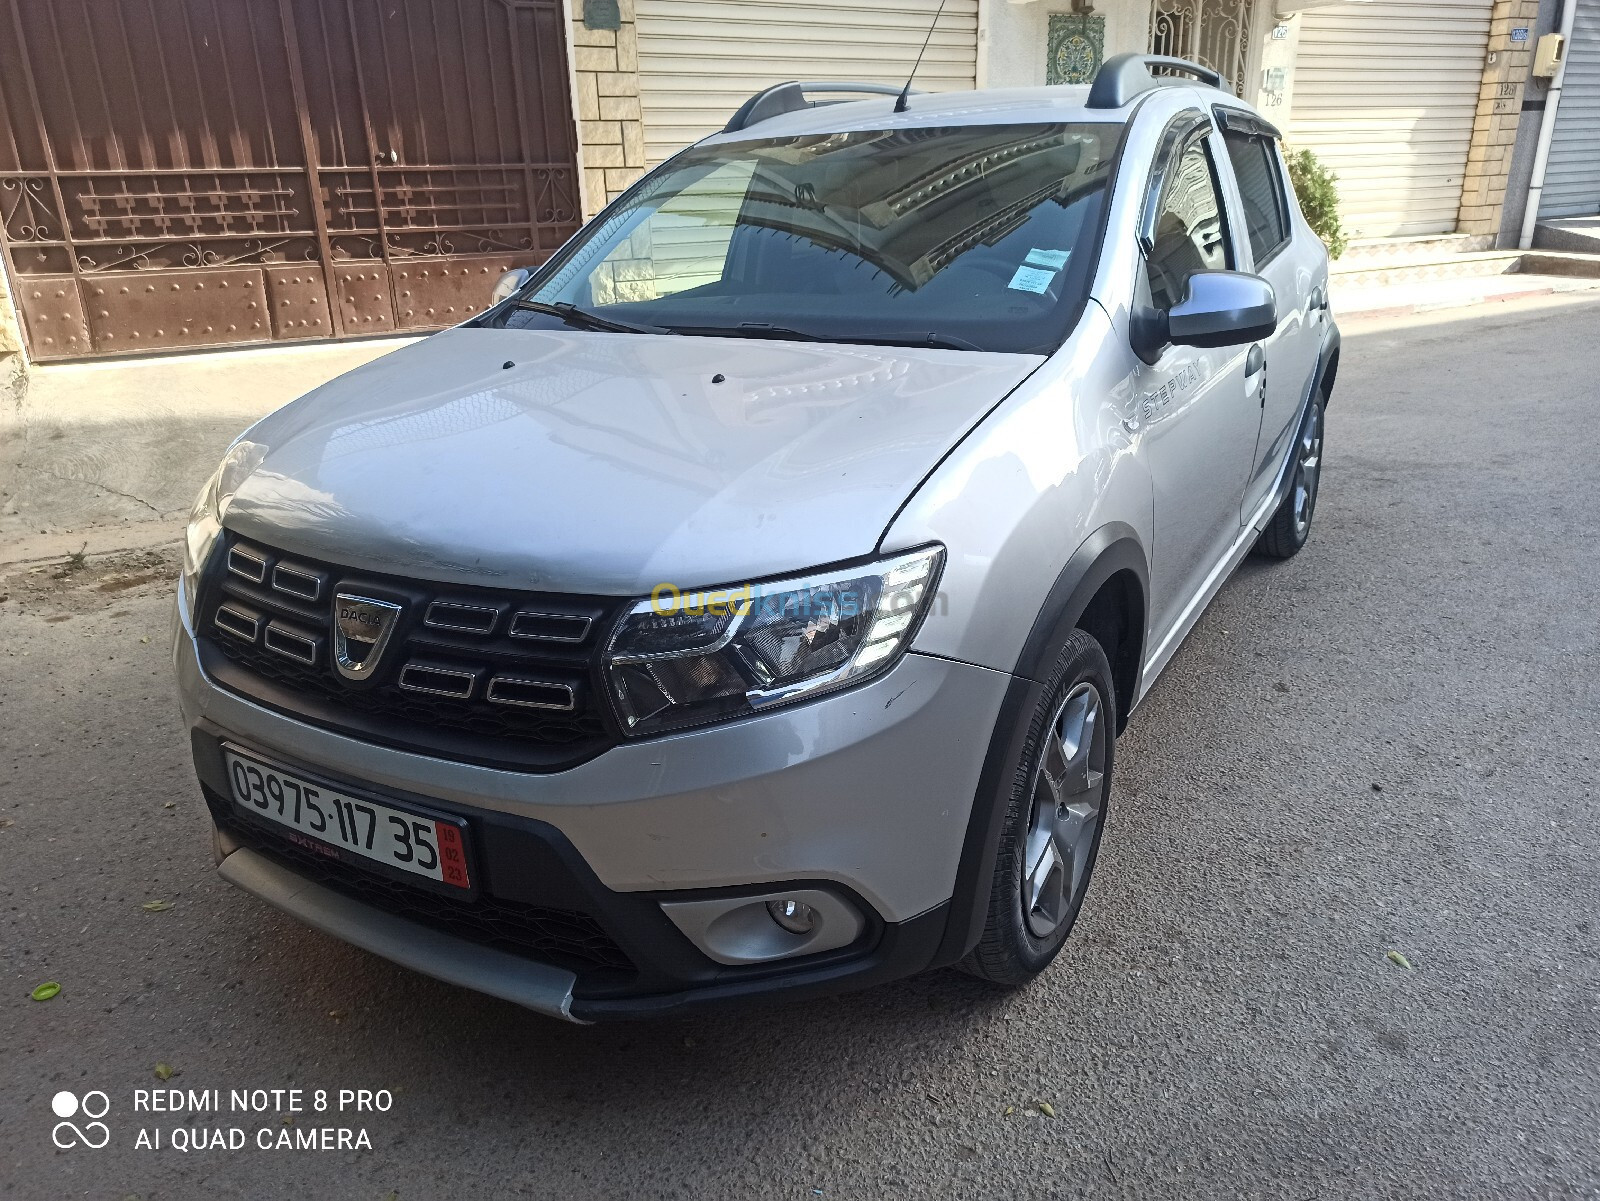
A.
pixel 749 601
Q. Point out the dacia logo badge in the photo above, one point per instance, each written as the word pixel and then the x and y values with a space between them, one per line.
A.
pixel 361 629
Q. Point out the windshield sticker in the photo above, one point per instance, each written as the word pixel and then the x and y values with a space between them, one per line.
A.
pixel 1053 259
pixel 1031 279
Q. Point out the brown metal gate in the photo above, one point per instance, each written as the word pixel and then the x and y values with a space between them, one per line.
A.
pixel 180 173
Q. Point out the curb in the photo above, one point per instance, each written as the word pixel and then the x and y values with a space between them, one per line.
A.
pixel 1411 310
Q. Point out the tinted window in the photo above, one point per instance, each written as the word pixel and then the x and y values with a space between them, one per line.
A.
pixel 983 236
pixel 1190 235
pixel 1261 187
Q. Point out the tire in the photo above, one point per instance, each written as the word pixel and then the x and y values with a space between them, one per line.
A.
pixel 1290 526
pixel 1021 936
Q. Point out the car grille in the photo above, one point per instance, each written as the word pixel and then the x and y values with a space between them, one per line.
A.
pixel 481 675
pixel 564 938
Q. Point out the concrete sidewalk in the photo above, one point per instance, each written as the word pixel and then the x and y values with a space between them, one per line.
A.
pixel 115 452
pixel 1426 296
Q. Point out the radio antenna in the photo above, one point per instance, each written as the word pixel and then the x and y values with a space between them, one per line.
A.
pixel 901 101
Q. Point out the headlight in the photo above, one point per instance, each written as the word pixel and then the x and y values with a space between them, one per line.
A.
pixel 205 520
pixel 685 659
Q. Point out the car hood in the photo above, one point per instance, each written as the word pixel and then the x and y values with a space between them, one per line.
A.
pixel 609 463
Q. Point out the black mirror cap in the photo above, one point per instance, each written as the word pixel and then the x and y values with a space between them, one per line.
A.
pixel 1223 308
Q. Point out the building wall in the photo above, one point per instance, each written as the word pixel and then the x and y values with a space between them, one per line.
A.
pixel 13 380
pixel 605 69
pixel 10 326
pixel 1520 168
pixel 1494 130
pixel 1013 38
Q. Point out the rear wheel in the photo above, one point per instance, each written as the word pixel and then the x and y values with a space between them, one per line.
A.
pixel 1053 826
pixel 1290 526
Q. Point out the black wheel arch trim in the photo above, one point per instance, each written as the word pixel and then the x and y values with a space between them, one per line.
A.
pixel 1327 364
pixel 1113 548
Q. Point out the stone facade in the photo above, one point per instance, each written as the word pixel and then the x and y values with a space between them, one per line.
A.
pixel 605 64
pixel 13 378
pixel 1494 129
pixel 10 325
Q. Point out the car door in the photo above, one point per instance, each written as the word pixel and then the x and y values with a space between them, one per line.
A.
pixel 1291 352
pixel 1197 408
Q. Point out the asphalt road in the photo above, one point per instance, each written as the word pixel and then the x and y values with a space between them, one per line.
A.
pixel 1388 743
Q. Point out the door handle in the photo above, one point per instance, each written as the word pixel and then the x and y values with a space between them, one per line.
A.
pixel 1255 360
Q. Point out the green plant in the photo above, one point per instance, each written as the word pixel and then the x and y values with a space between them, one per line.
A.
pixel 1318 190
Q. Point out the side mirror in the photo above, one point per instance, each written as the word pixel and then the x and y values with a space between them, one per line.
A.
pixel 1223 308
pixel 509 283
pixel 1220 308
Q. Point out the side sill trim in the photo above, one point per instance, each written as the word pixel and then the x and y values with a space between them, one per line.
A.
pixel 536 986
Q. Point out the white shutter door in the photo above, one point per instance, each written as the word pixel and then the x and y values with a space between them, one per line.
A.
pixel 699 60
pixel 1572 178
pixel 1385 93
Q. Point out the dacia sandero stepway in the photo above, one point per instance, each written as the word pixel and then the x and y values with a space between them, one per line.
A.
pixel 749 601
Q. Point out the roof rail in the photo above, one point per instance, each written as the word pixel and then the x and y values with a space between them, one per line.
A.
pixel 791 98
pixel 1123 76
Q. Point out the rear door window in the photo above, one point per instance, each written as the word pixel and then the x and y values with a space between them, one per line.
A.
pixel 1266 216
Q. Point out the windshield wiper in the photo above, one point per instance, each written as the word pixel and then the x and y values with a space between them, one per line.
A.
pixel 584 319
pixel 765 329
pixel 947 341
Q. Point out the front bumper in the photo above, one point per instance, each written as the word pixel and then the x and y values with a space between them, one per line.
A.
pixel 867 793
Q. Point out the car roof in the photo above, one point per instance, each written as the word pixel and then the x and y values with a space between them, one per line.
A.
pixel 986 106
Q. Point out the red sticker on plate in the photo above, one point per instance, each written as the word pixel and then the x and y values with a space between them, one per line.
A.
pixel 452 856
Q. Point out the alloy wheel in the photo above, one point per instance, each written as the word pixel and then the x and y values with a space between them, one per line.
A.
pixel 1308 471
pixel 1068 797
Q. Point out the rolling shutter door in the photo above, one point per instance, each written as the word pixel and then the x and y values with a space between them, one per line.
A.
pixel 1385 94
pixel 699 60
pixel 1572 178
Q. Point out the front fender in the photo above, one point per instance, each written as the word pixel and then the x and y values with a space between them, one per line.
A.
pixel 1042 474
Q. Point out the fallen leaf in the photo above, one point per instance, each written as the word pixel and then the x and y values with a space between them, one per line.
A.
pixel 45 991
pixel 170 805
pixel 1047 1109
pixel 4 822
pixel 338 1014
pixel 146 638
pixel 1010 1109
pixel 156 906
pixel 1398 960
pixel 165 1071
pixel 288 1119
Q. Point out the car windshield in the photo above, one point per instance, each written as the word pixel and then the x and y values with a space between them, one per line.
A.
pixel 975 238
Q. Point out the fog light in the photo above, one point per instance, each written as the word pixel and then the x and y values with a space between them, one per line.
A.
pixel 794 916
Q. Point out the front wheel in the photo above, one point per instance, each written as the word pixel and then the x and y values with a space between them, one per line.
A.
pixel 1053 826
pixel 1290 526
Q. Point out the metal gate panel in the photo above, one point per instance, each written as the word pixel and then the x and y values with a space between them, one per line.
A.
pixel 297 299
pixel 133 312
pixel 699 60
pixel 1385 93
pixel 1214 33
pixel 1572 179
pixel 297 149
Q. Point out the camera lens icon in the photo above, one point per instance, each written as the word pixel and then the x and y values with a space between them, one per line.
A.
pixel 94 1105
